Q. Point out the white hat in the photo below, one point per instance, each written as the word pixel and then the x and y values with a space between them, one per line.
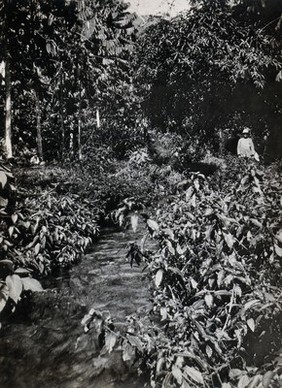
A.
pixel 246 130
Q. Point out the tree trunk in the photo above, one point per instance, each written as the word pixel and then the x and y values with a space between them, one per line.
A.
pixel 98 118
pixel 62 125
pixel 79 150
pixel 78 139
pixel 38 128
pixel 8 111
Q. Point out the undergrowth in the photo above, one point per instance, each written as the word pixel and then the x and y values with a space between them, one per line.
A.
pixel 216 285
pixel 51 215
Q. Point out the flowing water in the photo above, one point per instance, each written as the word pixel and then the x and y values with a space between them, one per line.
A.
pixel 45 345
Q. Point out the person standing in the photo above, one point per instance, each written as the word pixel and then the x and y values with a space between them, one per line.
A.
pixel 245 147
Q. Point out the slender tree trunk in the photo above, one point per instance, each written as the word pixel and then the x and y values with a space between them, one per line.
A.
pixel 221 146
pixel 98 118
pixel 38 128
pixel 62 125
pixel 8 85
pixel 8 111
pixel 79 150
pixel 78 134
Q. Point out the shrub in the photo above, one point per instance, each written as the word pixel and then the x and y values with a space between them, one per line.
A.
pixel 216 278
pixel 14 281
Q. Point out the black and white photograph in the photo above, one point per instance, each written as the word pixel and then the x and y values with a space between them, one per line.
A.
pixel 140 193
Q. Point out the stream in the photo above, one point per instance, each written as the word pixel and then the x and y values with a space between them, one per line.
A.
pixel 44 346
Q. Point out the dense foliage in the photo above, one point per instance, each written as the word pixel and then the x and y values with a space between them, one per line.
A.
pixel 14 280
pixel 53 216
pixel 129 131
pixel 215 284
pixel 60 63
pixel 43 227
pixel 210 71
pixel 216 278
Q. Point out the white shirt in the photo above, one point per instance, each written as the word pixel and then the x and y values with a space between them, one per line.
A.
pixel 245 147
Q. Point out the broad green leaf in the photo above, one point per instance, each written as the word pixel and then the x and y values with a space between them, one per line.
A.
pixel 15 286
pixel 14 218
pixel 228 239
pixel 208 232
pixel 209 351
pixel 22 271
pixel 235 373
pixel 31 284
pixel 177 374
pixel 3 302
pixel 170 247
pixel 11 231
pixel 3 179
pixel 160 364
pixel 37 248
pixel 267 377
pixel 209 212
pixel 249 305
pixel 220 277
pixel 278 250
pixel 251 324
pixel 209 300
pixel 194 284
pixel 110 341
pixel 189 193
pixel 194 374
pixel 185 384
pixel 128 353
pixel 244 381
pixel 200 361
pixel 121 219
pixel 135 341
pixel 180 250
pixel 237 290
pixel 3 202
pixel 159 277
pixel 4 295
pixel 255 381
pixel 256 222
pixel 226 220
pixel 153 225
pixel 197 184
pixel 167 380
pixel 163 313
pixel 134 222
pixel 278 77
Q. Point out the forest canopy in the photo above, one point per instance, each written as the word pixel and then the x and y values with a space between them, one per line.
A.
pixel 214 68
pixel 204 74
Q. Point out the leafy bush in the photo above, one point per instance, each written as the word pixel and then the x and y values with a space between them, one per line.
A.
pixel 136 177
pixel 216 279
pixel 13 282
pixel 50 228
